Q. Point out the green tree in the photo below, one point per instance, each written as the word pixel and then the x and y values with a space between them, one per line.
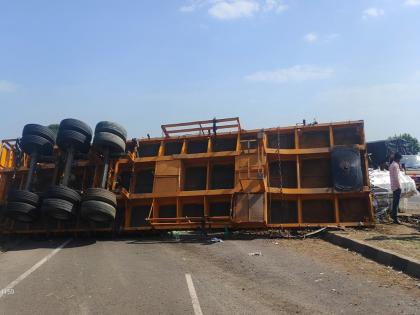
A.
pixel 413 142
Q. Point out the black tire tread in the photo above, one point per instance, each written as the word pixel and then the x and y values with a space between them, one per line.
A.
pixel 54 206
pixel 19 210
pixel 100 194
pixel 35 143
pixel 76 125
pixel 39 130
pixel 111 127
pixel 23 196
pixel 64 193
pixel 108 140
pixel 93 209
pixel 66 138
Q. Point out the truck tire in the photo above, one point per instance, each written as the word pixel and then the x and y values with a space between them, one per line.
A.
pixel 76 125
pixel 64 193
pixel 38 130
pixel 21 212
pixel 68 138
pixel 111 127
pixel 104 140
pixel 100 194
pixel 98 211
pixel 34 143
pixel 23 196
pixel 58 209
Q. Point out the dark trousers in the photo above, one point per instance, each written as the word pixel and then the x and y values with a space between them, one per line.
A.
pixel 396 195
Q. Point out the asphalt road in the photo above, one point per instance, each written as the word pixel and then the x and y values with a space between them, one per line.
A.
pixel 148 276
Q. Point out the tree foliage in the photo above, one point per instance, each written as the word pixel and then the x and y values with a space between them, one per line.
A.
pixel 412 141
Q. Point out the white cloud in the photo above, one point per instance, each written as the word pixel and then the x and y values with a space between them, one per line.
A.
pixel 225 10
pixel 192 5
pixel 296 73
pixel 187 8
pixel 274 5
pixel 313 37
pixel 310 37
pixel 373 13
pixel 234 9
pixel 412 3
pixel 7 86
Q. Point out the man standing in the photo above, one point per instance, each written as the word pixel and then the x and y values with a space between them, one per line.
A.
pixel 394 172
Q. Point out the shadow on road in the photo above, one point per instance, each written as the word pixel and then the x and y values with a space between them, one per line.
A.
pixel 20 243
pixel 28 242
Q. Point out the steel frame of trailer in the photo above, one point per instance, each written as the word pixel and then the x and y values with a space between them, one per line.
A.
pixel 241 179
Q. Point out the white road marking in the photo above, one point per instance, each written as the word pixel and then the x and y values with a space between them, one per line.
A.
pixel 14 283
pixel 193 294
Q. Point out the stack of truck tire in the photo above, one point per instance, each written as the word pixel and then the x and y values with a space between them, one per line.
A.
pixel 61 202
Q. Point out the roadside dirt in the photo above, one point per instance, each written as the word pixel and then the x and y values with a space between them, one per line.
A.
pixel 402 239
pixel 348 262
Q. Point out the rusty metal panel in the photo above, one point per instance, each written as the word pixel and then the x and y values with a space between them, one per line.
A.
pixel 256 207
pixel 241 213
pixel 249 182
pixel 249 208
pixel 168 168
pixel 245 160
pixel 166 184
pixel 167 176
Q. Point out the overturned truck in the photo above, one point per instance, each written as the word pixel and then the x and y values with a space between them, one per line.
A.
pixel 199 175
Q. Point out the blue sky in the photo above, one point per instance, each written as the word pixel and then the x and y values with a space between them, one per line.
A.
pixel 271 62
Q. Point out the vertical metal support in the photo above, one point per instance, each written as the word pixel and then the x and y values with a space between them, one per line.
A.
pixel 32 166
pixel 208 179
pixel 209 145
pixel 206 207
pixel 184 147
pixel 67 166
pixel 336 210
pixel 155 209
pixel 299 209
pixel 106 168
pixel 298 178
pixel 133 180
pixel 331 132
pixel 297 144
pixel 161 151
pixel 55 174
pixel 178 210
pixel 128 210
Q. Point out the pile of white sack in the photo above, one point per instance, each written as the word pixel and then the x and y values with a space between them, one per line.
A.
pixel 382 194
pixel 380 181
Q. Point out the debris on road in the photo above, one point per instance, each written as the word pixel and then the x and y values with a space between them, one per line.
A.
pixel 216 240
pixel 314 232
pixel 255 254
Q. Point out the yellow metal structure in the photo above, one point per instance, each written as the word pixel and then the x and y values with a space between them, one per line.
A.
pixel 266 178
